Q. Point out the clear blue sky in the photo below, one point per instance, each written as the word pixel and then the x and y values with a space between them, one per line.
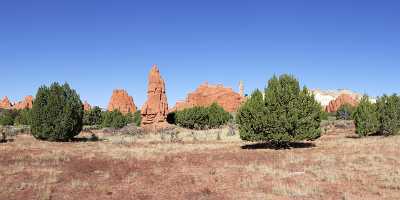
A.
pixel 97 45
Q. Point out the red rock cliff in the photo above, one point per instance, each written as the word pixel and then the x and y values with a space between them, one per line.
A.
pixel 27 103
pixel 155 110
pixel 206 94
pixel 343 99
pixel 5 103
pixel 120 100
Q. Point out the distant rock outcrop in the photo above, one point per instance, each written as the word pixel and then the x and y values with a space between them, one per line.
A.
pixel 27 103
pixel 5 103
pixel 120 100
pixel 343 99
pixel 154 111
pixel 324 97
pixel 206 94
pixel 86 106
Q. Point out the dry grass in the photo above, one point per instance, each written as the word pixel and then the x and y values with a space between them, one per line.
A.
pixel 199 165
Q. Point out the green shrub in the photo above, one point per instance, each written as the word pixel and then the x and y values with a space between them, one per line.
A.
pixel 115 119
pixel 23 117
pixel 57 113
pixel 7 117
pixel 92 117
pixel 286 114
pixel 389 114
pixel 137 118
pixel 345 112
pixel 193 118
pixel 198 117
pixel 171 118
pixel 217 116
pixel 366 117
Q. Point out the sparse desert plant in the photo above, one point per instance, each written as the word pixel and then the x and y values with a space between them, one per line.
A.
pixel 345 112
pixel 389 114
pixel 286 114
pixel 92 117
pixel 57 113
pixel 114 119
pixel 366 117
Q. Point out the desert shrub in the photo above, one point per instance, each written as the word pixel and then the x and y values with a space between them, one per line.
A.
pixel 285 114
pixel 389 114
pixel 7 117
pixel 92 117
pixel 199 117
pixel 57 113
pixel 366 117
pixel 115 119
pixel 23 117
pixel 217 116
pixel 193 118
pixel 137 118
pixel 345 112
pixel 171 118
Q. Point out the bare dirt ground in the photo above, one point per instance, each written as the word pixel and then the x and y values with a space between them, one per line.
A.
pixel 202 166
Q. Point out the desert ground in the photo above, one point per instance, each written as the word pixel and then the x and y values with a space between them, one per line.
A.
pixel 200 165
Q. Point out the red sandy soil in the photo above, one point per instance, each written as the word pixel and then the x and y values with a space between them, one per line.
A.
pixel 335 167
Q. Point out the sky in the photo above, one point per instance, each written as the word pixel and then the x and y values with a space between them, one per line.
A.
pixel 97 46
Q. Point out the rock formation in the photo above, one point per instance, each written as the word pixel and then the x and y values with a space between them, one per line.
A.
pixel 343 99
pixel 5 103
pixel 27 103
pixel 86 106
pixel 241 89
pixel 206 94
pixel 120 100
pixel 154 111
pixel 324 97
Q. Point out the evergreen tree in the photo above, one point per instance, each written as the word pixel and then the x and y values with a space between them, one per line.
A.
pixel 23 117
pixel 115 119
pixel 92 116
pixel 286 114
pixel 57 113
pixel 389 114
pixel 217 116
pixel 366 117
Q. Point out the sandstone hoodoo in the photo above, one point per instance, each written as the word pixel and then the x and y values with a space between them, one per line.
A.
pixel 154 111
pixel 5 103
pixel 120 100
pixel 343 99
pixel 206 94
pixel 86 106
pixel 24 104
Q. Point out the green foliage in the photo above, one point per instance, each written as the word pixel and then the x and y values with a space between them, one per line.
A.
pixel 389 114
pixel 213 116
pixel 171 118
pixel 92 117
pixel 137 118
pixel 285 114
pixel 23 117
pixel 345 112
pixel 115 119
pixel 366 117
pixel 57 113
pixel 7 117
pixel 217 116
